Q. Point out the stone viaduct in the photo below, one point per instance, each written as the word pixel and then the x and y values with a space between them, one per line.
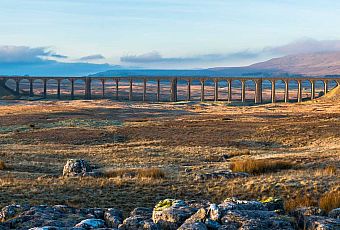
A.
pixel 173 85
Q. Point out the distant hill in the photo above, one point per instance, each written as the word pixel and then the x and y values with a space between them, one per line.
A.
pixel 306 64
pixel 314 64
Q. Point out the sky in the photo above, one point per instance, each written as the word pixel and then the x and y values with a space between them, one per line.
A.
pixel 171 34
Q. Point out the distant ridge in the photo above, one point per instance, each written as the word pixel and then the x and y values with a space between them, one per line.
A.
pixel 314 64
pixel 305 64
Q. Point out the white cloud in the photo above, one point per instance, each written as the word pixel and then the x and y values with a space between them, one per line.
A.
pixel 24 54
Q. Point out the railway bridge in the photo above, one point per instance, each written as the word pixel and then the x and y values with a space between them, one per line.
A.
pixel 13 84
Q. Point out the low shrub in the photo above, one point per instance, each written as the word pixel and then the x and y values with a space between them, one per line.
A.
pixel 253 166
pixel 330 200
pixel 2 165
pixel 154 173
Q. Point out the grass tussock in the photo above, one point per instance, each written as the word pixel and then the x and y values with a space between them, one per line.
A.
pixel 153 173
pixel 298 202
pixel 330 200
pixel 2 165
pixel 327 171
pixel 260 166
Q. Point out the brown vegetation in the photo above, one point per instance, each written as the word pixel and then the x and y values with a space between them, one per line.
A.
pixel 154 173
pixel 299 202
pixel 2 165
pixel 166 145
pixel 260 166
pixel 330 201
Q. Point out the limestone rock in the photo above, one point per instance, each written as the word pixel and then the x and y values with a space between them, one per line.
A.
pixel 75 167
pixel 140 219
pixel 193 226
pixel 45 228
pixel 300 214
pixel 219 175
pixel 321 223
pixel 171 214
pixel 215 213
pixel 10 211
pixel 273 204
pixel 91 224
pixel 256 219
pixel 235 204
pixel 335 213
pixel 211 224
pixel 113 218
pixel 141 211
pixel 138 223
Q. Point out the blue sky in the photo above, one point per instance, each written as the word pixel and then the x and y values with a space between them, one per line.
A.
pixel 168 33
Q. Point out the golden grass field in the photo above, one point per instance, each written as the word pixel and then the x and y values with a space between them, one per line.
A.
pixel 182 139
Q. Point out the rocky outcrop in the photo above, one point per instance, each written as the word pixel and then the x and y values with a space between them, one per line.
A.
pixel 169 214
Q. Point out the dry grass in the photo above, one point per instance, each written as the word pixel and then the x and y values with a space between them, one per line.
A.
pixel 298 202
pixel 174 138
pixel 330 201
pixel 328 171
pixel 153 173
pixel 260 166
pixel 2 165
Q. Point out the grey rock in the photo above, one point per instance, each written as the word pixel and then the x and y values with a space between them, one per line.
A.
pixel 321 223
pixel 74 167
pixel 141 211
pixel 91 224
pixel 193 226
pixel 335 213
pixel 211 224
pixel 215 213
pixel 10 211
pixel 45 228
pixel 219 174
pixel 113 217
pixel 300 214
pixel 138 223
pixel 255 219
pixel 171 214
pixel 235 204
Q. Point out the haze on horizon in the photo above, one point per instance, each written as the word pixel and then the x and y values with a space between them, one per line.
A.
pixel 170 34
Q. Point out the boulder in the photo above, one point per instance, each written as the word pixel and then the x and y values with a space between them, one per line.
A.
pixel 235 204
pixel 301 213
pixel 335 213
pixel 75 167
pixel 193 226
pixel 220 175
pixel 91 224
pixel 143 212
pixel 138 223
pixel 45 228
pixel 273 204
pixel 256 219
pixel 321 223
pixel 140 219
pixel 113 217
pixel 171 214
pixel 10 211
pixel 214 212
